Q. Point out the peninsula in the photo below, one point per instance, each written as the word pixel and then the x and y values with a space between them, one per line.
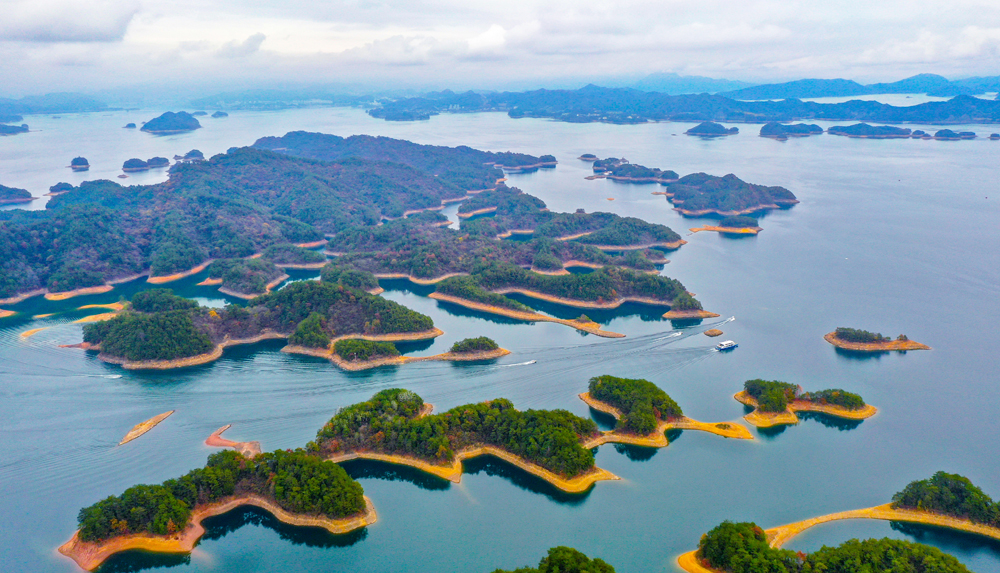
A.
pixel 394 426
pixel 295 487
pixel 776 402
pixel 945 500
pixel 865 341
pixel 171 122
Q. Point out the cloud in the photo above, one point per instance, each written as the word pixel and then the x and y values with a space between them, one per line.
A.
pixel 242 49
pixel 66 20
pixel 971 42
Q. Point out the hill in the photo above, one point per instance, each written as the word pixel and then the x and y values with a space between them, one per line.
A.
pixel 171 122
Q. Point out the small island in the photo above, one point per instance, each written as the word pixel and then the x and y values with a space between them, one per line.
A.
pixel 945 500
pixel 994 136
pixel 865 131
pixel 949 135
pixel 295 487
pixel 154 162
pixel 134 165
pixel 13 129
pixel 621 170
pixel 776 402
pixel 864 341
pixel 735 225
pixel 129 125
pixel 783 131
pixel 702 194
pixel 355 354
pixel 199 113
pixel 79 164
pixel 143 427
pixel 171 122
pixel 565 560
pixel 396 426
pixel 59 189
pixel 219 114
pixel 10 195
pixel 177 332
pixel 587 157
pixel 711 129
pixel 193 155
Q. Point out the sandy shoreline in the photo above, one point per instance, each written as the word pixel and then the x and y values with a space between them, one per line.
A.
pixel 471 214
pixel 892 345
pixel 90 555
pixel 251 296
pixel 747 211
pixel 591 327
pixel 358 365
pixel 198 360
pixel 728 230
pixel 178 276
pixel 788 417
pixel 248 449
pixel 143 427
pixel 100 289
pixel 688 314
pixel 417 280
pixel 6 313
pixel 583 303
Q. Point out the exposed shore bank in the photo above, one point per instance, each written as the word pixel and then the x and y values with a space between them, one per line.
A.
pixel 248 449
pixel 788 417
pixel 892 345
pixel 728 230
pixel 590 327
pixel 688 314
pixel 143 427
pixel 357 365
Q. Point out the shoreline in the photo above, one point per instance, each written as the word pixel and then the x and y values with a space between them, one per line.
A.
pixel 581 303
pixel 248 449
pixel 358 365
pixel 418 280
pixel 6 313
pixel 196 360
pixel 453 472
pixel 178 276
pixel 788 417
pixel 529 316
pixel 891 346
pixel 728 230
pixel 658 438
pixel 90 555
pixel 471 214
pixel 508 234
pixel 689 314
pixel 747 211
pixel 100 289
pixel 245 296
pixel 143 427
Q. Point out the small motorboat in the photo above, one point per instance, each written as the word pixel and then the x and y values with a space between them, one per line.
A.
pixel 726 345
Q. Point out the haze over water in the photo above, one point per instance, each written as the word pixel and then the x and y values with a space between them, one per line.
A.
pixel 896 236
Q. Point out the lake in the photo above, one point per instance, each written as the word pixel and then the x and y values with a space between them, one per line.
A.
pixel 895 236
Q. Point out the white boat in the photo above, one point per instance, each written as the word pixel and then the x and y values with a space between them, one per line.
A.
pixel 726 345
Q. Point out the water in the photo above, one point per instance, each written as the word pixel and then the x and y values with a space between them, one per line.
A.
pixel 898 236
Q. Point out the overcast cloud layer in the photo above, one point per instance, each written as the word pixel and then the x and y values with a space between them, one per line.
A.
pixel 49 45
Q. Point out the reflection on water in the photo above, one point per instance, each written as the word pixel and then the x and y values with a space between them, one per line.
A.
pixel 134 561
pixel 376 469
pixel 829 421
pixel 221 525
pixel 947 540
pixel 636 453
pixel 495 467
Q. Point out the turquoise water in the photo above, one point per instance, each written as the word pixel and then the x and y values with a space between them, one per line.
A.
pixel 898 236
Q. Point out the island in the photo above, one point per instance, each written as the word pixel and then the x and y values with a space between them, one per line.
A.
pixel 59 188
pixel 154 162
pixel 193 155
pixel 864 341
pixel 396 426
pixel 711 129
pixel 865 131
pixel 782 131
pixel 219 114
pixel 776 402
pixel 949 135
pixel 945 500
pixel 295 487
pixel 79 164
pixel 713 332
pixel 644 413
pixel 10 195
pixel 587 157
pixel 135 164
pixel 129 125
pixel 159 330
pixel 565 560
pixel 702 194
pixel 13 129
pixel 171 122
pixel 994 136
pixel 621 170
pixel 199 113
pixel 734 225
pixel 143 427
pixel 355 354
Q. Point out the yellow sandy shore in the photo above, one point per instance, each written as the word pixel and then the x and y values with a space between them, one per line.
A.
pixel 22 297
pixel 37 316
pixel 506 234
pixel 658 438
pixel 788 417
pixel 96 317
pixel 210 282
pixel 453 472
pixel 78 292
pixel 212 356
pixel 591 327
pixel 393 360
pixel 728 230
pixel 247 449
pixel 471 214
pixel 699 212
pixel 376 290
pixel 684 314
pixel 583 303
pixel 302 266
pixel 111 306
pixel 418 280
pixel 267 289
pixel 713 332
pixel 6 313
pixel 178 276
pixel 313 244
pixel 898 345
pixel 778 536
pixel 143 427
pixel 90 556
pixel 32 332
pixel 672 246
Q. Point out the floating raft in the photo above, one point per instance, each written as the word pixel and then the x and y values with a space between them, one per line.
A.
pixel 143 427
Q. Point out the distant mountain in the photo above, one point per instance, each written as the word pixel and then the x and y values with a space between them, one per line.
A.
pixel 918 84
pixel 271 99
pixel 51 103
pixel 674 84
pixel 800 89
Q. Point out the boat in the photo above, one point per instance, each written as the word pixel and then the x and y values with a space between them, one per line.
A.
pixel 726 345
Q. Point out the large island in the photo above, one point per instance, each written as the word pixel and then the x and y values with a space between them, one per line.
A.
pixel 171 122
pixel 776 402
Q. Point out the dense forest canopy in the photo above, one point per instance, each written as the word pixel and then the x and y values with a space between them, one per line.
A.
pixel 245 276
pixel 855 335
pixel 478 344
pixel 10 194
pixel 170 122
pixel 743 548
pixel 294 480
pixel 354 350
pixel 774 395
pixel 775 129
pixel 865 130
pixel 712 129
pixel 700 192
pixel 951 494
pixel 289 254
pixel 389 423
pixel 642 403
pixel 565 560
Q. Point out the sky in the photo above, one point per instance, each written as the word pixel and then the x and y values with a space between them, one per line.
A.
pixel 92 45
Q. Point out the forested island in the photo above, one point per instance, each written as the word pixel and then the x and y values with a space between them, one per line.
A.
pixel 295 487
pixel 776 402
pixel 79 164
pixel 702 194
pixel 135 164
pixel 864 341
pixel 629 106
pixel 733 225
pixel 171 122
pixel 160 330
pixel 219 114
pixel 711 129
pixel 621 170
pixel 949 494
pixel 784 131
pixel 233 206
pixel 863 130
pixel 13 129
pixel 565 560
pixel 10 195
